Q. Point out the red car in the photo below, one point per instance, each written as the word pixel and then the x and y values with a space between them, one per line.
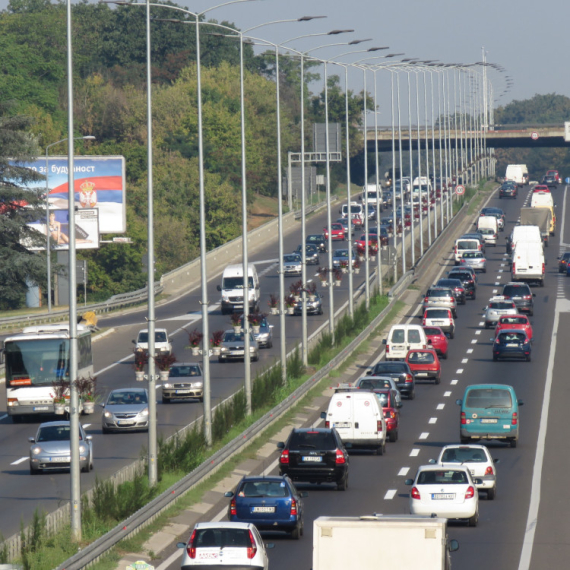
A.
pixel 541 188
pixel 555 174
pixel 363 242
pixel 337 232
pixel 424 364
pixel 438 340
pixel 391 409
pixel 512 322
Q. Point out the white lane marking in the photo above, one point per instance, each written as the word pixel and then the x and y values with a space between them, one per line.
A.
pixel 85 426
pixel 441 406
pixel 403 471
pixel 495 291
pixel 388 496
pixel 497 283
pixel 482 324
pixel 22 459
pixel 447 394
pixel 477 332
pixel 424 435
pixel 474 341
pixel 502 265
pixel 453 382
pixel 413 453
pixel 499 276
pixel 459 370
pixel 432 420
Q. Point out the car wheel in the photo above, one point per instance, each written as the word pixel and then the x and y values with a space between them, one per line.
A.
pixel 342 485
pixel 451 334
pixel 201 400
pixel 437 380
pixel 474 519
pixel 485 270
pixel 85 469
pixel 394 436
pixel 270 344
pixel 513 442
pixel 412 395
pixel 465 439
pixel 491 494
pixel 296 533
pixel 165 400
pixel 221 360
pixel 528 358
pixel 104 430
pixel 34 471
pixel 531 313
pixel 495 358
pixel 256 358
pixel 444 356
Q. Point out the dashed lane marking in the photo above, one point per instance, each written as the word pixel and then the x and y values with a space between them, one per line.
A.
pixel 413 453
pixel 390 494
pixel 440 406
pixel 453 382
pixel 432 420
pixel 403 471
pixel 446 394
pixel 424 435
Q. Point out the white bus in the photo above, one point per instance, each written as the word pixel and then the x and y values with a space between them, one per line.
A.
pixel 37 358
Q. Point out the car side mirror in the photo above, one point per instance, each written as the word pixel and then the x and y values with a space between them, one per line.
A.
pixel 269 545
pixel 303 494
pixel 534 294
pixel 399 405
pixel 478 481
pixel 453 545
pixel 102 405
pixel 409 482
pixel 281 445
pixel 383 341
pixel 432 461
pixel 219 288
pixel 229 494
pixel 496 460
pixel 271 326
pixel 32 439
pixel 520 403
pixel 180 545
pixel 323 415
pixel 459 402
pixel 134 341
pixel 88 437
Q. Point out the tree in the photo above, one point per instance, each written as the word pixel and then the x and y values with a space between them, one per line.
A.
pixel 18 207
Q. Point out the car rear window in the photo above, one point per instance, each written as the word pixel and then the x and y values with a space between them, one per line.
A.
pixel 468 244
pixel 465 276
pixel 421 357
pixel 414 336
pixel 462 454
pixel 514 320
pixel 488 398
pixel 222 538
pixel 374 384
pixel 263 489
pixel 432 331
pixel 501 306
pixel 516 290
pixel 389 367
pixel 512 337
pixel 437 314
pixel 438 293
pixel 447 476
pixel 312 440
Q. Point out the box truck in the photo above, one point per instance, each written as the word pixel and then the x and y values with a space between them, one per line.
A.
pixel 403 542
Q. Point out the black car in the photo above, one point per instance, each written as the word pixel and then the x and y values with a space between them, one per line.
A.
pixel 314 305
pixel 318 240
pixel 563 262
pixel 311 253
pixel 550 181
pixel 521 295
pixel 456 287
pixel 466 277
pixel 401 374
pixel 508 190
pixel 315 455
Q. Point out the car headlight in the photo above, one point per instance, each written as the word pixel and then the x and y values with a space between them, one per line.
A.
pixel 197 385
pixel 36 450
pixel 108 414
pixel 167 385
pixel 225 296
pixel 262 336
pixel 144 412
pixel 82 449
pixel 224 349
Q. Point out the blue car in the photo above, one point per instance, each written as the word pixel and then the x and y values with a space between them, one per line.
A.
pixel 511 344
pixel 270 503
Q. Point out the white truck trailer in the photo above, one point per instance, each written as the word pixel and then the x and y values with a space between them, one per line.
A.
pixel 405 542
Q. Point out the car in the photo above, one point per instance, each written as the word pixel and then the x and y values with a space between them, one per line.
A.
pixel 398 372
pixel 51 448
pixel 478 236
pixel 378 383
pixel 468 269
pixel 522 296
pixel 269 502
pixel 292 264
pixel 225 545
pixel 456 287
pixel 371 242
pixel 315 455
pixel 540 188
pixel 511 343
pixel 318 240
pixel 497 307
pixel 185 382
pixel 508 190
pixel 477 459
pixel 518 322
pixel 233 347
pixel 342 255
pixel 467 278
pixel 162 344
pixel 391 408
pixel 440 297
pixel 424 364
pixel 439 317
pixel 384 236
pixel 390 222
pixel 338 231
pixel 125 409
pixel 549 180
pixel 314 305
pixel 563 262
pixel 489 235
pixel 474 259
pixel 448 492
pixel 344 223
pixel 311 253
pixel 370 210
pixel 438 340
pixel 556 175
pixel 264 337
pixel 498 213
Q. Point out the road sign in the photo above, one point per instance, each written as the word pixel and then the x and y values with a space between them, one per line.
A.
pixel 534 136
pixel 460 190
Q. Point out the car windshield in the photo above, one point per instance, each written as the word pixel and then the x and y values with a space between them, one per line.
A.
pixel 437 314
pixel 447 477
pixel 54 433
pixel 488 398
pixel 374 384
pixel 222 538
pixel 421 357
pixel 312 440
pixel 263 489
pixel 236 283
pixel 292 258
pixel 231 336
pixel 126 398
pixel 159 336
pixel 176 371
pixel 463 455
pixel 390 367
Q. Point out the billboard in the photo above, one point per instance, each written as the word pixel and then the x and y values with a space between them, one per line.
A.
pixel 86 230
pixel 99 184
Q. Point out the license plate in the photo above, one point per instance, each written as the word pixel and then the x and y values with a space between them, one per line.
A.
pixel 421 374
pixel 183 391
pixel 60 459
pixel 263 509
pixel 512 345
pixel 443 496
pixel 438 322
pixel 208 555
pixel 488 421
pixel 125 422
pixel 40 408
pixel 472 471
pixel 312 459
pixel 341 424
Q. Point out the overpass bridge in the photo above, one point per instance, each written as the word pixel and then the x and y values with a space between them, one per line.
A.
pixel 501 136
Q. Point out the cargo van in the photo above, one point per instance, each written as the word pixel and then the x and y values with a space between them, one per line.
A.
pixel 489 411
pixel 540 217
pixel 465 244
pixel 489 228
pixel 528 263
pixel 403 338
pixel 523 233
pixel 541 199
pixel 358 418
pixel 232 288
pixel 371 195
pixel 517 173
pixel 356 209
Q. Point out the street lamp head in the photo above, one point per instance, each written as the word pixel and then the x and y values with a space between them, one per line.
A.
pixel 309 18
pixel 378 48
pixel 89 138
pixel 336 32
pixel 394 54
pixel 355 42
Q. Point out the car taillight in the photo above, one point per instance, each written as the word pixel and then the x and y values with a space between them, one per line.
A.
pixel 284 459
pixel 455 249
pixel 470 493
pixel 389 415
pixel 379 425
pixel 528 297
pixel 387 348
pixel 515 419
pixel 252 549
pixel 543 269
pixel 463 419
pixel 327 424
pixel 191 549
pixel 424 321
pixel 514 269
pixel 293 507
pixel 340 458
pixel 409 378
pixel 489 471
pixel 415 493
pixel 233 510
pixel 426 299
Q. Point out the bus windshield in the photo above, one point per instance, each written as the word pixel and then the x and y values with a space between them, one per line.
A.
pixel 36 362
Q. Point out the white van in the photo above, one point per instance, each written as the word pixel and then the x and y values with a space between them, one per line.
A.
pixel 528 262
pixel 465 244
pixel 356 209
pixel 489 229
pixel 232 288
pixel 541 200
pixel 403 338
pixel 358 418
pixel 371 195
pixel 517 173
pixel 525 233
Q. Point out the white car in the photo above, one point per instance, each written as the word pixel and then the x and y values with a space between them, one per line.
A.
pixel 225 545
pixel 479 461
pixel 378 383
pixel 448 492
pixel 441 317
pixel 497 307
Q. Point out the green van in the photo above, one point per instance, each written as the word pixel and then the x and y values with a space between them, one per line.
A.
pixel 489 411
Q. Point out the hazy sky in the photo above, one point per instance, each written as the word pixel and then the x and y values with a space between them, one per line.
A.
pixel 527 37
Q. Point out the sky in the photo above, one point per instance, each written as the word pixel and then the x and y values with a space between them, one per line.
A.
pixel 526 37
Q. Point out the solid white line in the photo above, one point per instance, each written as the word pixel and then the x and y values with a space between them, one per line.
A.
pixel 403 471
pixel 18 461
pixel 414 452
pixel 424 435
pixel 446 394
pixel 440 406
pixel 390 494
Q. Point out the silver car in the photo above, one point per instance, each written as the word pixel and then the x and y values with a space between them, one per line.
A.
pixel 126 409
pixel 264 337
pixel 344 222
pixel 184 382
pixel 340 255
pixel 50 449
pixel 440 297
pixel 311 253
pixel 314 307
pixel 292 264
pixel 233 347
pixel 497 307
pixel 474 259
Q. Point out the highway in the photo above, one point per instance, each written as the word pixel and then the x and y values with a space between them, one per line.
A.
pixel 432 420
pixel 113 365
